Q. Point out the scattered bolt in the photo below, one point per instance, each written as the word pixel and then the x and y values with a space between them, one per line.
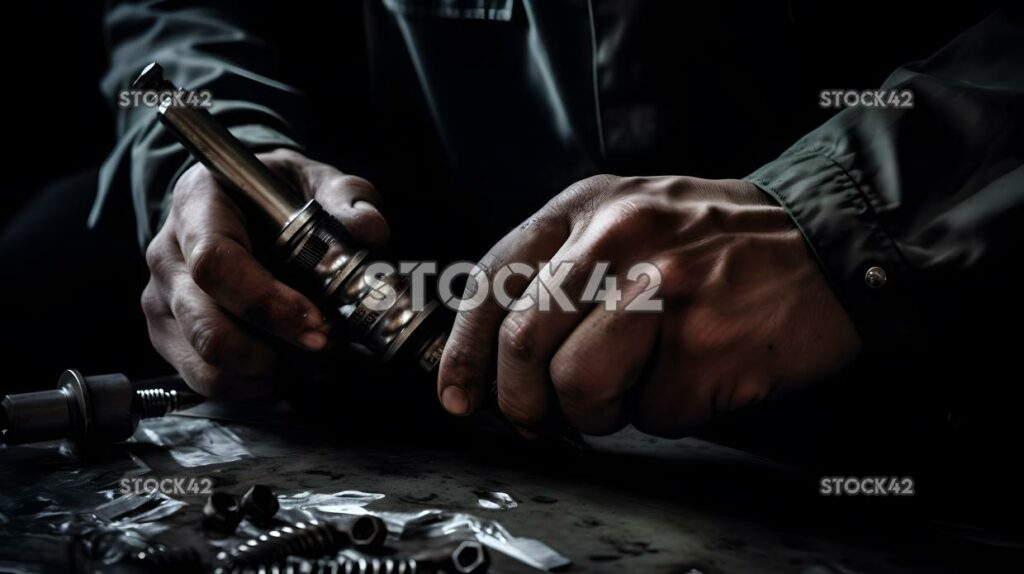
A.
pixel 221 514
pixel 364 532
pixel 260 504
pixel 462 557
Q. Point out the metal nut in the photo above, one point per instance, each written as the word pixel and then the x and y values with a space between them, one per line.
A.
pixel 363 532
pixel 470 557
pixel 221 514
pixel 260 504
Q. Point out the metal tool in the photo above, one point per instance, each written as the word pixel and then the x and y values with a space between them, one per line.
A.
pixel 90 410
pixel 310 240
pixel 316 245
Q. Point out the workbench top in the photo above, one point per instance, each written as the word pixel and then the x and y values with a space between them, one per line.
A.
pixel 633 504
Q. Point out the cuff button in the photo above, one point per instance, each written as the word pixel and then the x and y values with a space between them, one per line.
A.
pixel 875 277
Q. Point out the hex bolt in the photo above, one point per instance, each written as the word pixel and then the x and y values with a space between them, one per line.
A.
pixel 363 532
pixel 259 504
pixel 221 513
pixel 461 557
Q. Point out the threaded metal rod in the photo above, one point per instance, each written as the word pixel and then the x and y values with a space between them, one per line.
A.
pixel 155 403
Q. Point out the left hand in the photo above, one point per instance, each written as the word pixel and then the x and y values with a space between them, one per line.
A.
pixel 747 312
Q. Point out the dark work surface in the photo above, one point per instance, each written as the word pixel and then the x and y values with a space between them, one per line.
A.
pixel 634 504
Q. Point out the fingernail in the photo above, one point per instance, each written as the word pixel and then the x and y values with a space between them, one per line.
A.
pixel 362 204
pixel 455 400
pixel 316 322
pixel 313 340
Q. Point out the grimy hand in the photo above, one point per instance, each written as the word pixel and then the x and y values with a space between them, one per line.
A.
pixel 747 313
pixel 214 312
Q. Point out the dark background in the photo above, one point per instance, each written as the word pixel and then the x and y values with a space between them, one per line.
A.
pixel 56 121
pixel 70 296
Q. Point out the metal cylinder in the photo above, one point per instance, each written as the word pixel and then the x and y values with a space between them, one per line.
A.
pixel 225 156
pixel 38 416
pixel 94 409
pixel 310 240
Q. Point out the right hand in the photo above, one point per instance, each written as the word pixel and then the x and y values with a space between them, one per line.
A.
pixel 210 305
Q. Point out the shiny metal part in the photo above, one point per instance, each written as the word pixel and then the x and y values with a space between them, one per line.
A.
pixel 309 239
pixel 96 409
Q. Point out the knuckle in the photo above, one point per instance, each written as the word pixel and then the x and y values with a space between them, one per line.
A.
pixel 593 185
pixel 456 361
pixel 353 186
pixel 584 194
pixel 209 339
pixel 628 217
pixel 570 382
pixel 281 155
pixel 195 181
pixel 157 253
pixel 207 261
pixel 151 303
pixel 709 214
pixel 519 413
pixel 353 181
pixel 154 255
pixel 516 338
pixel 677 276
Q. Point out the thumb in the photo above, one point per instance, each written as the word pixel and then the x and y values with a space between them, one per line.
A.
pixel 351 199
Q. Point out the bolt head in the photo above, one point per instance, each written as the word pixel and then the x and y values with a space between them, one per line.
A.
pixel 260 503
pixel 470 557
pixel 221 514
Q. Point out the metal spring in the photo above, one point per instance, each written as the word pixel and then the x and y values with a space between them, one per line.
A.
pixel 154 403
pixel 308 540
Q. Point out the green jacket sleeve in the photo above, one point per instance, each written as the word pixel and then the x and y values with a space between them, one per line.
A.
pixel 201 45
pixel 914 213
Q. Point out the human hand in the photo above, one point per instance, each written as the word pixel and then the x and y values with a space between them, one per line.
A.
pixel 747 312
pixel 214 312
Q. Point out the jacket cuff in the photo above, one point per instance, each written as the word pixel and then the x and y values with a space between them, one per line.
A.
pixel 860 261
